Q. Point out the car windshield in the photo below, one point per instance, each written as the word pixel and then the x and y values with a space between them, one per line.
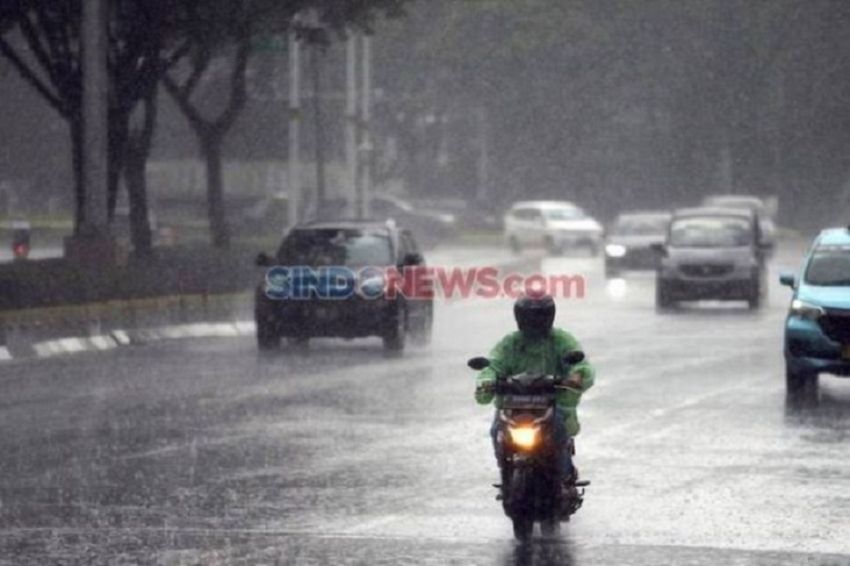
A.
pixel 567 213
pixel 738 202
pixel 829 268
pixel 711 232
pixel 351 247
pixel 641 226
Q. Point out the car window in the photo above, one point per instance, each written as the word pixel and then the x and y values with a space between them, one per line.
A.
pixel 737 202
pixel 408 243
pixel 829 267
pixel 350 247
pixel 526 214
pixel 641 226
pixel 711 232
pixel 566 213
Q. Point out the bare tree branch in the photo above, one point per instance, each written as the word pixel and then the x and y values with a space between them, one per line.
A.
pixel 29 75
pixel 238 90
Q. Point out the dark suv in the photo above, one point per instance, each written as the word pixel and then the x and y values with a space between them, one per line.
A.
pixel 344 255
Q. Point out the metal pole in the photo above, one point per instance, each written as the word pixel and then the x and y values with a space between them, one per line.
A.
pixel 368 148
pixel 318 126
pixel 294 169
pixel 483 156
pixel 354 206
pixel 95 79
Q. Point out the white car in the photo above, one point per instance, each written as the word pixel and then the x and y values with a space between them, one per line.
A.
pixel 558 226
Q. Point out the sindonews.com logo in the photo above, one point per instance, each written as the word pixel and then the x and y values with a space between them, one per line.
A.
pixel 417 282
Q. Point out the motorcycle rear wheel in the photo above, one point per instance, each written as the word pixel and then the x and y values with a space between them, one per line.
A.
pixel 550 527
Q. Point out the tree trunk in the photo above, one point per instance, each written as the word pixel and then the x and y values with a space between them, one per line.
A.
pixel 135 158
pixel 134 176
pixel 118 134
pixel 77 160
pixel 219 231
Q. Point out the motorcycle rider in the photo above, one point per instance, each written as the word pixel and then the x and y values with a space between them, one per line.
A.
pixel 537 347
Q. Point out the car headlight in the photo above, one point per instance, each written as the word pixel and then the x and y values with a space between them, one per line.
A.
pixel 806 310
pixel 615 250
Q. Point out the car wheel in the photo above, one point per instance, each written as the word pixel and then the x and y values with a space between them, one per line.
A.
pixel 756 295
pixel 663 301
pixel 513 242
pixel 552 248
pixel 396 335
pixel 422 333
pixel 754 301
pixel 300 342
pixel 800 383
pixel 267 336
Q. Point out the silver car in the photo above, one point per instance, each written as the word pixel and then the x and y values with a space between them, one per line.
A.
pixel 558 226
pixel 711 253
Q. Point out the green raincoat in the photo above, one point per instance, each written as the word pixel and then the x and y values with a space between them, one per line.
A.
pixel 516 354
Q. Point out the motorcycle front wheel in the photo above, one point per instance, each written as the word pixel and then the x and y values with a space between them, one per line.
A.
pixel 520 510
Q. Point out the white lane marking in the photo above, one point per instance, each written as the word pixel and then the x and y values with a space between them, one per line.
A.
pixel 5 355
pixel 103 342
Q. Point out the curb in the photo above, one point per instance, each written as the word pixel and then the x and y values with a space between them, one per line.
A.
pixel 71 329
pixel 123 338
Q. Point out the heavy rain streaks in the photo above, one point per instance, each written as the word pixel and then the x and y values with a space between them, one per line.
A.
pixel 172 393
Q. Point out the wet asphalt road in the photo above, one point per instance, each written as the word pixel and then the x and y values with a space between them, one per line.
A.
pixel 203 452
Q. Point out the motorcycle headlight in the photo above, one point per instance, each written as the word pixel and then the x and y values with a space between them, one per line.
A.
pixel 615 250
pixel 805 310
pixel 524 436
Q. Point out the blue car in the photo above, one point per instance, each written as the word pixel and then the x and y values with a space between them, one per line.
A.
pixel 817 330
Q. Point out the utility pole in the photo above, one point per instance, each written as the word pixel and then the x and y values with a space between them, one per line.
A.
pixel 294 169
pixel 481 194
pixel 367 146
pixel 92 244
pixel 318 126
pixel 354 205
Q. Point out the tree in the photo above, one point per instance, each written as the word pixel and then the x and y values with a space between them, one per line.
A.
pixel 221 35
pixel 143 43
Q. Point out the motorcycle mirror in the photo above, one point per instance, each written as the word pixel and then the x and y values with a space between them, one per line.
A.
pixel 478 363
pixel 574 358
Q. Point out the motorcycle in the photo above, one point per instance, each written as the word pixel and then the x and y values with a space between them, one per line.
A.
pixel 531 489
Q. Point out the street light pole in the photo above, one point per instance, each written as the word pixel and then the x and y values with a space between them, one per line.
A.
pixel 367 147
pixel 318 126
pixel 294 169
pixel 354 206
pixel 482 192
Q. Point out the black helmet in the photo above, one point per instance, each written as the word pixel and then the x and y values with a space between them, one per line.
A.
pixel 535 314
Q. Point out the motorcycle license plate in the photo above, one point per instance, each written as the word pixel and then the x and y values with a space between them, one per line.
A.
pixel 845 351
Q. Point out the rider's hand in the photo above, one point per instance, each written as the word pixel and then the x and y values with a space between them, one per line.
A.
pixel 574 381
pixel 484 392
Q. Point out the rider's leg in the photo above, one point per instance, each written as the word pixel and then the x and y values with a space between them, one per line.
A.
pixel 564 445
pixel 494 436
